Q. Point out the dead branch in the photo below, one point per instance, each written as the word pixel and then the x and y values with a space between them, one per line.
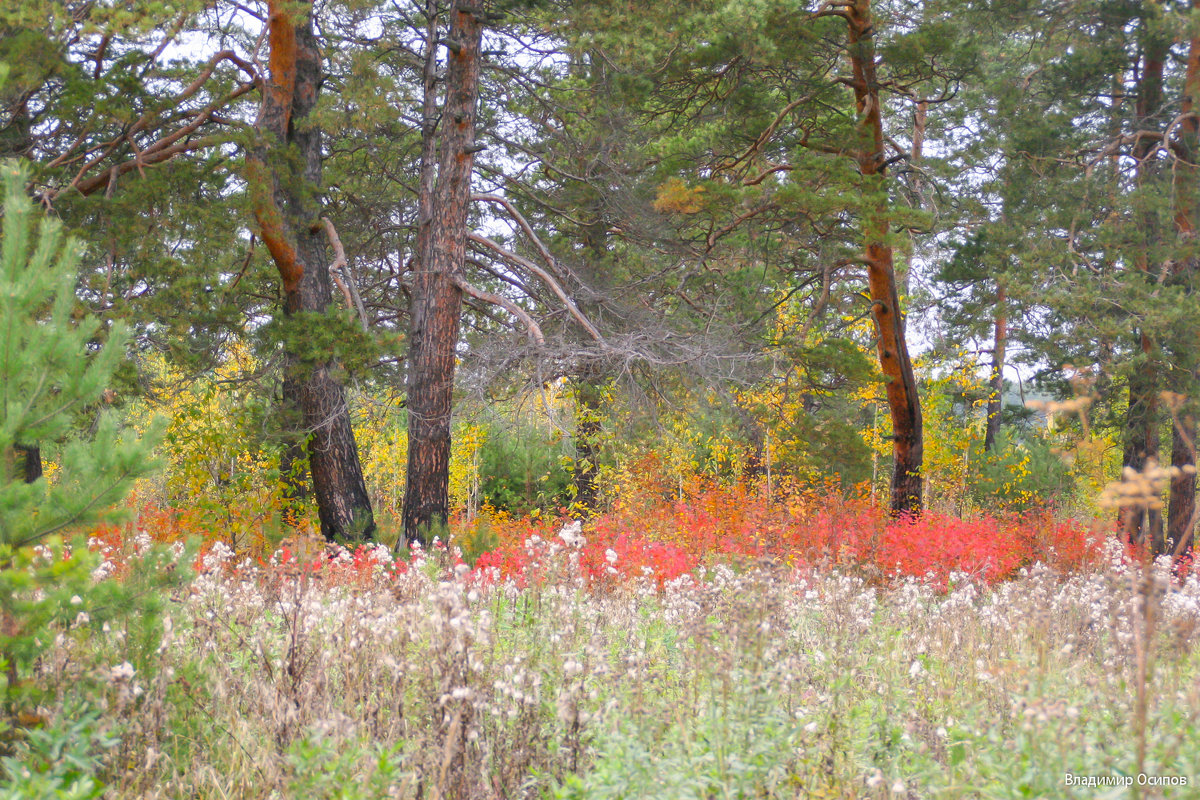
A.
pixel 546 278
pixel 341 267
pixel 760 177
pixel 712 238
pixel 525 226
pixel 102 180
pixel 201 79
pixel 95 183
pixel 535 331
pixel 765 136
pixel 245 262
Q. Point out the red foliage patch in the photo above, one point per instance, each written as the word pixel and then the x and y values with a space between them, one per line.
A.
pixel 660 542
pixel 733 524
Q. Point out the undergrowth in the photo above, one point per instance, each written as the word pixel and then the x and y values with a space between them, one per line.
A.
pixel 587 673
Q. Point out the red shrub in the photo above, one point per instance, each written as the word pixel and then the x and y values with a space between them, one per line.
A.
pixel 665 540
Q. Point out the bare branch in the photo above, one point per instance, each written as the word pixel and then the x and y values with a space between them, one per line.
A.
pixel 712 238
pixel 339 262
pixel 535 332
pixel 341 267
pixel 831 9
pixel 760 177
pixel 546 277
pixel 158 151
pixel 525 226
pixel 101 181
pixel 201 79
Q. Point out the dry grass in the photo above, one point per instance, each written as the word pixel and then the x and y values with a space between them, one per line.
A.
pixel 755 682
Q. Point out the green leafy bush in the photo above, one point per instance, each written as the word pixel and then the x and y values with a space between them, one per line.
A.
pixel 1021 473
pixel 521 469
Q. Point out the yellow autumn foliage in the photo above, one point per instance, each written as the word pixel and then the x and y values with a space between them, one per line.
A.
pixel 218 456
pixel 382 436
pixel 675 195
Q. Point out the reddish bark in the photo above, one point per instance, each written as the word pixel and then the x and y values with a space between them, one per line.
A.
pixel 288 224
pixel 1181 508
pixel 436 296
pixel 903 401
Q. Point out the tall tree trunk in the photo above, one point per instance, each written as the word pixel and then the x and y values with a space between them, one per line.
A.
pixel 1141 424
pixel 427 177
pixel 903 400
pixel 1142 445
pixel 293 461
pixel 436 297
pixel 753 431
pixel 1181 508
pixel 288 219
pixel 995 404
pixel 590 376
pixel 917 185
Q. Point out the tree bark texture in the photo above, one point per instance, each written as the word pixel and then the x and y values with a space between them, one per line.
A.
pixel 427 178
pixel 1141 440
pixel 283 175
pixel 995 404
pixel 1142 446
pixel 293 460
pixel 590 375
pixel 436 297
pixel 903 401
pixel 1181 507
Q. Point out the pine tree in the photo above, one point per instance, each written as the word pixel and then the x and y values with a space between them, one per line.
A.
pixel 438 286
pixel 283 174
pixel 53 368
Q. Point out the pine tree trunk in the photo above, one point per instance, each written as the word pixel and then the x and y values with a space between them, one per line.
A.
pixel 756 453
pixel 293 461
pixel 590 376
pixel 995 405
pixel 1141 447
pixel 1141 443
pixel 427 178
pixel 436 298
pixel 903 400
pixel 1181 508
pixel 288 220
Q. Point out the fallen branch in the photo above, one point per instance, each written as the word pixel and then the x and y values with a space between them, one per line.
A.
pixel 525 226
